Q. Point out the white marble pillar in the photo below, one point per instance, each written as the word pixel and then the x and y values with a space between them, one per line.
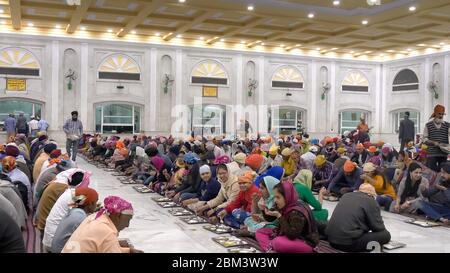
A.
pixel 146 83
pixel 84 86
pixel 333 117
pixel 153 89
pixel 311 112
pixel 423 82
pixel 262 108
pixel 238 112
pixel 446 82
pixel 55 120
pixel 379 115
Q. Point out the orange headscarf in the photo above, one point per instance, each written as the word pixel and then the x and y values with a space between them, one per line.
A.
pixel 9 163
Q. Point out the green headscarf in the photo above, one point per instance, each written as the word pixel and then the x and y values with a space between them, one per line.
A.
pixel 304 177
pixel 270 182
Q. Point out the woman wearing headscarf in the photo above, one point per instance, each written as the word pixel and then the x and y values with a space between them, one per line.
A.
pixel 61 206
pixel 302 184
pixel 385 191
pixel 160 175
pixel 297 231
pixel 409 194
pixel 192 181
pixel 98 233
pixel 259 219
pixel 17 176
pixel 84 202
pixel 240 208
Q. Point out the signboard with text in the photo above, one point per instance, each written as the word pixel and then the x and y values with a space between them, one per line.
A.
pixel 16 85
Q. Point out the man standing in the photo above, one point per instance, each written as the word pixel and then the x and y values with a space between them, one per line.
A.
pixel 362 126
pixel 435 133
pixel 43 126
pixel 21 125
pixel 73 129
pixel 10 126
pixel 406 132
pixel 33 124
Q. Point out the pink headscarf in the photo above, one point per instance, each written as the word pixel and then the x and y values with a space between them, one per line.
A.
pixel 115 205
pixel 158 162
pixel 224 159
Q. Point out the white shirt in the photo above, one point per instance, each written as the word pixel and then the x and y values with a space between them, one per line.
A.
pixel 58 212
pixel 33 124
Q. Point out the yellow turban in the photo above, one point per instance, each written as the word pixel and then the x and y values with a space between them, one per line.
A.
pixel 320 160
pixel 273 150
pixel 286 152
pixel 341 150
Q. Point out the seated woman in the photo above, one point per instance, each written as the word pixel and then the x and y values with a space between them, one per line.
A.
pixel 159 174
pixel 409 194
pixel 296 232
pixel 259 218
pixel 240 208
pixel 354 228
pixel 374 156
pixel 84 203
pixel 388 158
pixel 209 188
pixel 98 233
pixel 300 182
pixel 275 171
pixel 385 191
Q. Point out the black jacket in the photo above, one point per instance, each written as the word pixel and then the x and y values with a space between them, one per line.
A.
pixel 406 131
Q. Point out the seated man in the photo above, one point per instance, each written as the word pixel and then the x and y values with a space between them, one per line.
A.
pixel 209 188
pixel 360 155
pixel 347 179
pixel 354 228
pixel 323 172
pixel 438 206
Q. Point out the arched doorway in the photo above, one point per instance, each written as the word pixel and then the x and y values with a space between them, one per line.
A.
pixel 287 120
pixel 208 119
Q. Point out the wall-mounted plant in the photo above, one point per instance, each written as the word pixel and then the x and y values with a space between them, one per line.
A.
pixel 252 84
pixel 70 76
pixel 434 88
pixel 325 88
pixel 167 82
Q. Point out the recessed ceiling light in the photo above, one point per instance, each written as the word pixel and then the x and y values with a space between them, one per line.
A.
pixel 57 26
pixel 110 30
pixel 242 42
pixel 336 2
pixel 83 28
pixel 202 38
pixel 421 45
pixel 364 22
pixel 351 52
pixel 409 49
pixel 281 45
pixel 222 40
pixel 311 15
pixel 157 34
pixel 412 8
pixel 334 48
pixel 30 24
pixel 263 44
pixel 2 11
pixel 181 1
pixel 298 45
pixel 133 32
pixel 381 55
pixel 318 48
pixel 442 43
pixel 250 8
pixel 179 36
pixel 3 22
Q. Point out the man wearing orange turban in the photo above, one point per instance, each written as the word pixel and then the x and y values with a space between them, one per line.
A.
pixel 254 161
pixel 347 180
pixel 436 134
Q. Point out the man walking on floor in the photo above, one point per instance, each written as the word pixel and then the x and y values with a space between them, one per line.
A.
pixel 74 130
pixel 406 131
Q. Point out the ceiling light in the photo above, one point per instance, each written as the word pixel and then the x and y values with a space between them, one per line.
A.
pixel 202 38
pixel 181 1
pixel 30 24
pixel 373 2
pixel 442 43
pixel 364 22
pixel 318 48
pixel 2 11
pixel 83 28
pixel 242 42
pixel 381 55
pixel 334 48
pixel 421 45
pixel 298 45
pixel 409 49
pixel 179 36
pixel 351 52
pixel 412 8
pixel 3 22
pixel 281 45
pixel 110 30
pixel 336 2
pixel 368 51
pixel 157 34
pixel 222 40
pixel 311 15
pixel 262 44
pixel 57 26
pixel 250 8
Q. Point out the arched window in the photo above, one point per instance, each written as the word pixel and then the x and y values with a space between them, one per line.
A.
pixel 117 118
pixel 18 61
pixel 287 77
pixel 287 120
pixel 119 67
pixel 355 82
pixel 209 72
pixel 405 80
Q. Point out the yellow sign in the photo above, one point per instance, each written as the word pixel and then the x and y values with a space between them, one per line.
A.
pixel 209 91
pixel 16 84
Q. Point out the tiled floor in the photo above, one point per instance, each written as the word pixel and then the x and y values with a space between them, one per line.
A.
pixel 153 229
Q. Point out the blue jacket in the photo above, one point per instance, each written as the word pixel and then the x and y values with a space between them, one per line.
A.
pixel 208 190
